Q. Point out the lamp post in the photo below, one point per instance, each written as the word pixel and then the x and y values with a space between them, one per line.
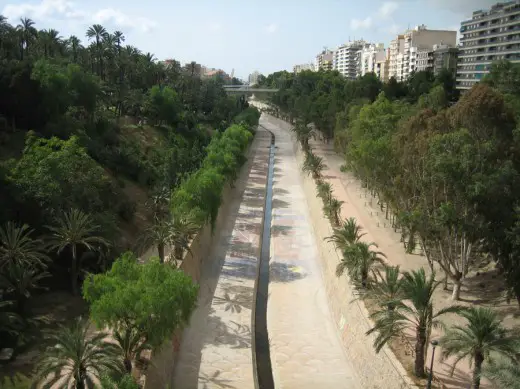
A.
pixel 434 344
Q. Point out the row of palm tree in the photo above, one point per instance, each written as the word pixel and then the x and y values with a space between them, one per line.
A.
pixel 405 301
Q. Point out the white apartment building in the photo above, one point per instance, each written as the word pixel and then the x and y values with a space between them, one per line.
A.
pixel 346 58
pixel 299 68
pixel 324 60
pixel 405 49
pixel 253 78
pixel 490 35
pixel 370 56
pixel 382 66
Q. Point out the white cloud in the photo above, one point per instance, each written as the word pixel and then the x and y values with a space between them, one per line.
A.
pixel 110 15
pixel 385 12
pixel 67 10
pixel 271 28
pixel 357 24
pixel 387 9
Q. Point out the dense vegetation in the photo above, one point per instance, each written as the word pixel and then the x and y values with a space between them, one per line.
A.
pixel 94 140
pixel 446 171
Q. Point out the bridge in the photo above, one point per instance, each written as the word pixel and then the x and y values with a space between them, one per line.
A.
pixel 247 89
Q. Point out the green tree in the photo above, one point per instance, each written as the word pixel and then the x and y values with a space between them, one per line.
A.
pixel 313 164
pixel 387 289
pixel 348 234
pixel 419 316
pixel 76 359
pixel 143 304
pixel 479 340
pixel 74 229
pixel 358 259
pixel 332 209
pixel 18 247
pixel 503 373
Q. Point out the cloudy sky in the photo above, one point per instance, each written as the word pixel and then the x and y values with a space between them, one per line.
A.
pixel 244 35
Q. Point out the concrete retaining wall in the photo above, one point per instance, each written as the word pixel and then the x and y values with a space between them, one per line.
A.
pixel 160 370
pixel 382 370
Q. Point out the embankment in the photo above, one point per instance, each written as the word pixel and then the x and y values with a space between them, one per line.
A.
pixel 375 370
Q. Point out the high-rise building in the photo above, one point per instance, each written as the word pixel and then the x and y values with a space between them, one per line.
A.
pixel 370 56
pixel 324 60
pixel 305 66
pixel 347 57
pixel 253 78
pixel 405 49
pixel 490 35
pixel 383 66
pixel 445 57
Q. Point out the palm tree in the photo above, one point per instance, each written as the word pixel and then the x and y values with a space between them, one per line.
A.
pixel 185 229
pixel 74 44
pixel 303 133
pixel 10 321
pixel 333 210
pixel 131 343
pixel 17 246
pixel 18 280
pixel 159 234
pixel 74 229
pixel 313 164
pixel 324 190
pixel 504 374
pixel 418 316
pixel 99 33
pixel 358 259
pixel 50 40
pixel 348 234
pixel 387 289
pixel 76 359
pixel 482 337
pixel 27 33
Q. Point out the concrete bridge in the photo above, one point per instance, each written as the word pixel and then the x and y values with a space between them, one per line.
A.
pixel 247 89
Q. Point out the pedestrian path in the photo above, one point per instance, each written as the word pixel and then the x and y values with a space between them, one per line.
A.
pixel 306 352
pixel 215 351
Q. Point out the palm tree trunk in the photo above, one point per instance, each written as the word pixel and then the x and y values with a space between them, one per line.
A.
pixel 74 271
pixel 160 249
pixel 128 365
pixel 420 345
pixel 479 359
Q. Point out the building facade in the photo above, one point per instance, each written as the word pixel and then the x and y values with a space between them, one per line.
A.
pixel 369 57
pixel 413 46
pixel 253 78
pixel 445 57
pixel 383 67
pixel 324 60
pixel 488 36
pixel 299 68
pixel 347 57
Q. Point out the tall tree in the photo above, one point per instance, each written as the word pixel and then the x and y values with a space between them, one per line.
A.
pixel 99 33
pixel 482 338
pixel 74 229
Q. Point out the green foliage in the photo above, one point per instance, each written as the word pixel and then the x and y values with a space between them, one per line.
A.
pixel 126 382
pixel 482 338
pixel 143 302
pixel 201 194
pixel 162 105
pixel 76 358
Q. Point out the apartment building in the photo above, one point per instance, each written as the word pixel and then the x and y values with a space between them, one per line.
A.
pixel 407 48
pixel 396 57
pixel 445 57
pixel 369 57
pixel 299 68
pixel 324 60
pixel 253 78
pixel 490 35
pixel 346 58
pixel 383 66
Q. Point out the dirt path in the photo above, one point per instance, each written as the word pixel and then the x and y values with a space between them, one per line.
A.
pixel 216 348
pixel 306 351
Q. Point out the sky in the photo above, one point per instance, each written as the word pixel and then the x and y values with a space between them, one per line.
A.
pixel 244 35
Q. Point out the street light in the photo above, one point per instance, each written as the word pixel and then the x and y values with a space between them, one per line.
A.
pixel 434 344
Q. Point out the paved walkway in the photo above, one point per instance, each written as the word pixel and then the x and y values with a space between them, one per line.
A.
pixel 216 348
pixel 306 351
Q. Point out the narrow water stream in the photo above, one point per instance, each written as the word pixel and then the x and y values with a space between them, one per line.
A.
pixel 261 354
